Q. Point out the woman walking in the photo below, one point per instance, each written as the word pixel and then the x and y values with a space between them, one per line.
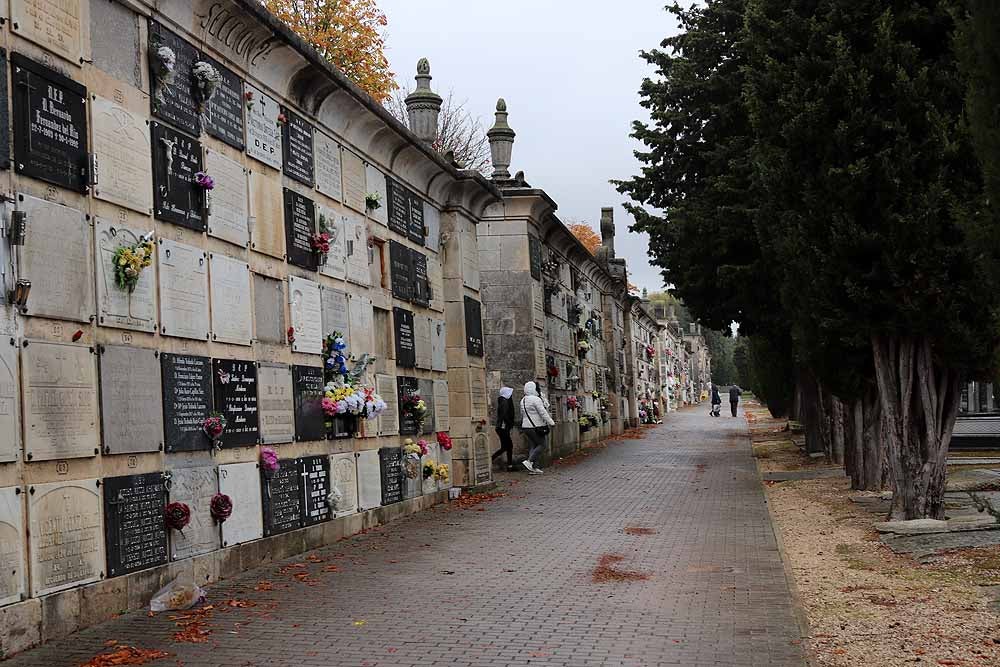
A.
pixel 504 423
pixel 535 423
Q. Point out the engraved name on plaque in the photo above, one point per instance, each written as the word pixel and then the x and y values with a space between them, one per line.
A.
pixel 391 471
pixel 117 307
pixel 473 327
pixel 66 540
pixel 401 271
pixel 334 311
pixel 300 225
pixel 276 403
pixel 175 93
pixel 235 394
pixel 263 129
pixel 223 115
pixel 122 156
pixel 307 318
pixel 297 145
pixel 328 172
pixel 230 284
pixel 307 383
pixel 403 335
pixel 354 181
pixel 187 401
pixel 131 396
pixel 281 497
pixel 315 471
pixel 54 25
pixel 228 208
pixel 135 537
pixel 177 198
pixel 183 290
pixel 59 401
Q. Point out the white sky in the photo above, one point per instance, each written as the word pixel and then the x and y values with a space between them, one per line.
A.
pixel 570 72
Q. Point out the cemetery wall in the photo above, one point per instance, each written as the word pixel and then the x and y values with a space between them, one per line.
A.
pixel 211 128
pixel 647 404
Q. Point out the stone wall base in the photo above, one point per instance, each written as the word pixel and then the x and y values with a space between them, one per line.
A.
pixel 37 620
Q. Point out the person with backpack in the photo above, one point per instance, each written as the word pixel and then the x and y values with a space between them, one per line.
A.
pixel 535 424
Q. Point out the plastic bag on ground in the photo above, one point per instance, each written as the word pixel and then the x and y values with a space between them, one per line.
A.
pixel 181 593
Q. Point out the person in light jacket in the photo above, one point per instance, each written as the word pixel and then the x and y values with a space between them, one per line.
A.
pixel 535 424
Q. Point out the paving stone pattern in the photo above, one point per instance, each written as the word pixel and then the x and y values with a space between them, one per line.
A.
pixel 512 584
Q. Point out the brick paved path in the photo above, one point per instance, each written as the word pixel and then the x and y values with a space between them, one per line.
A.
pixel 513 584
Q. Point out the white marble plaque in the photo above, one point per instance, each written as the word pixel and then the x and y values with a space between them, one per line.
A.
pixel 275 403
pixel 267 214
pixel 433 456
pixel 354 181
pixel 53 24
pixel 263 130
pixel 422 340
pixel 241 482
pixel 470 255
pixel 387 423
pixel 356 239
pixel 195 488
pixel 435 277
pixel 327 158
pixel 12 579
pixel 335 313
pixel 369 480
pixel 375 184
pixel 361 336
pixel 119 308
pixel 482 465
pixel 122 156
pixel 269 309
pixel 537 306
pixel 439 359
pixel 333 222
pixel 229 200
pixel 432 221
pixel 57 257
pixel 183 290
pixel 59 401
pixel 442 414
pixel 9 398
pixel 477 393
pixel 232 321
pixel 307 315
pixel 66 535
pixel 344 483
pixel 540 370
pixel 131 398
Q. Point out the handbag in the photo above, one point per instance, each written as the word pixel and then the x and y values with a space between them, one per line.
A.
pixel 540 430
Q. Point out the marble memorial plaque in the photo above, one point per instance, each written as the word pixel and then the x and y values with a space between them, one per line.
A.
pixel 241 482
pixel 473 327
pixel 175 97
pixel 356 233
pixel 269 309
pixel 422 339
pixel 267 214
pixel 116 53
pixel 315 471
pixel 135 536
pixel 401 271
pixel 415 230
pixel 442 414
pixel 118 307
pixel 50 125
pixel 231 316
pixel 432 221
pixel 183 290
pixel 397 204
pixel 131 398
pixel 57 257
pixel 307 388
pixel 477 393
pixel 353 169
pixel 361 338
pixel 234 391
pixel 223 115
pixel 343 484
pixel 276 403
pixel 300 225
pixel 176 161
pixel 12 568
pixel 307 315
pixel 54 25
pixel 391 470
pixel 369 480
pixel 404 337
pixel 387 423
pixel 470 256
pixel 482 465
pixel 331 221
pixel 433 456
pixel 413 478
pixel 122 156
pixel 59 401
pixel 334 311
pixel 375 184
pixel 435 279
pixel 328 166
pixel 228 201
pixel 66 541
pixel 195 487
pixel 406 386
pixel 538 306
pixel 10 394
pixel 187 401
pixel 263 129
pixel 426 388
pixel 421 284
pixel 540 367
pixel 281 498
pixel 297 147
pixel 439 359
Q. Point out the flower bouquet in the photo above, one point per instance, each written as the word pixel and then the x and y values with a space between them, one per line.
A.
pixel 130 260
pixel 213 427
pixel 204 181
pixel 413 406
pixel 444 440
pixel 208 80
pixel 220 507
pixel 176 516
pixel 582 348
pixel 442 472
pixel 411 458
pixel 164 67
pixel 320 243
pixel 269 463
pixel 430 468
pixel 373 201
pixel 572 402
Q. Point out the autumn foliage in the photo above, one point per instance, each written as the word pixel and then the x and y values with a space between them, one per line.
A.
pixel 350 34
pixel 590 239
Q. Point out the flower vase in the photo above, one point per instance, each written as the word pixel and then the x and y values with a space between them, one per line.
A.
pixel 342 426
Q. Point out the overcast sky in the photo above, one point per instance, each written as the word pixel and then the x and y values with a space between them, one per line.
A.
pixel 570 72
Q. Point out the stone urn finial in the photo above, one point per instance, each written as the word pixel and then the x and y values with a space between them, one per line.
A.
pixel 501 138
pixel 423 105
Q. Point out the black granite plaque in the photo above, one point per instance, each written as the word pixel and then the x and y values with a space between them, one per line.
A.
pixel 235 389
pixel 297 147
pixel 406 349
pixel 316 491
pixel 50 125
pixel 281 497
pixel 535 257
pixel 473 327
pixel 300 225
pixel 415 229
pixel 176 161
pixel 175 95
pixel 401 271
pixel 421 285
pixel 399 207
pixel 4 114
pixel 187 401
pixel 405 386
pixel 390 461
pixel 307 387
pixel 135 536
pixel 223 115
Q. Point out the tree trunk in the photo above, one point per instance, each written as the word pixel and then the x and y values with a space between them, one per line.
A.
pixel 838 435
pixel 812 414
pixel 856 432
pixel 919 400
pixel 873 444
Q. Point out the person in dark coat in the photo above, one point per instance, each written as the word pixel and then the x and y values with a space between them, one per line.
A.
pixel 504 423
pixel 734 398
pixel 716 401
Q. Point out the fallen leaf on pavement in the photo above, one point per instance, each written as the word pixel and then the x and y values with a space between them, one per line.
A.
pixel 125 655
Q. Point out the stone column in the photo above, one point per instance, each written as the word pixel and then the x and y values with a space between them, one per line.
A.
pixel 423 105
